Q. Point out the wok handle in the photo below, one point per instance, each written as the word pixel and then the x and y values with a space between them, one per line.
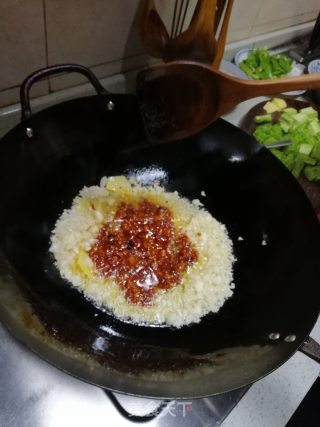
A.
pixel 136 418
pixel 311 348
pixel 26 85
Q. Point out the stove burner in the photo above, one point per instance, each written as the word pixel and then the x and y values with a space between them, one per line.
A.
pixel 209 411
pixel 137 418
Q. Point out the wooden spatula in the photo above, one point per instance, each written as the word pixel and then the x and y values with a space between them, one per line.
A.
pixel 198 42
pixel 221 41
pixel 181 98
pixel 154 34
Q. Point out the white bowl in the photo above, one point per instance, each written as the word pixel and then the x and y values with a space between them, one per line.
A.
pixel 314 66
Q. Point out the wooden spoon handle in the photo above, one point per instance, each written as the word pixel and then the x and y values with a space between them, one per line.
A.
pixel 234 90
pixel 306 81
pixel 204 16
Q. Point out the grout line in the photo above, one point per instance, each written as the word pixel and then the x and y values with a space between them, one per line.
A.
pixel 8 88
pixel 285 19
pixel 231 48
pixel 46 39
pixel 273 38
pixel 257 14
pixel 143 54
pixel 114 61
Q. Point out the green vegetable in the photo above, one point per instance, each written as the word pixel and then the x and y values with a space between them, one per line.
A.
pixel 308 160
pixel 314 127
pixel 303 129
pixel 268 132
pixel 305 149
pixel 290 111
pixel 264 118
pixel 298 165
pixel 260 64
pixel 316 151
pixel 312 173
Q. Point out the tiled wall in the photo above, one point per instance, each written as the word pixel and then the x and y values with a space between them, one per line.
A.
pixel 103 34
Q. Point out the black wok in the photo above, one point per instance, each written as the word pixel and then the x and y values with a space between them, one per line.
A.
pixel 51 155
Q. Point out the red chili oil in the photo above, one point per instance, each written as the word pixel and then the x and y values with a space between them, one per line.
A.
pixel 142 251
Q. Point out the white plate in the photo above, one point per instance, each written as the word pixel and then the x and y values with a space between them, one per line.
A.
pixel 297 69
pixel 241 55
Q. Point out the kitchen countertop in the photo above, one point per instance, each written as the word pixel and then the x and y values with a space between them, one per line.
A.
pixel 269 402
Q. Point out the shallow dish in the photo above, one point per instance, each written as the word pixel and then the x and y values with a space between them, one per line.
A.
pixel 312 189
pixel 234 70
pixel 297 70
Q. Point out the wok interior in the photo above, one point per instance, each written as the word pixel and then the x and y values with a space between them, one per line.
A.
pixel 276 284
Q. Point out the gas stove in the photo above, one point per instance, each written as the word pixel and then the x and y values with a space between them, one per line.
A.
pixel 34 393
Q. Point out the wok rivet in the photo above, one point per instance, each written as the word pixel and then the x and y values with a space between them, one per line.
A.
pixel 290 338
pixel 29 132
pixel 274 336
pixel 110 106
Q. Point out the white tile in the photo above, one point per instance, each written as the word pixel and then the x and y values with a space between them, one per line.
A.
pixel 22 40
pixel 101 70
pixel 92 32
pixel 235 35
pixel 12 95
pixel 282 23
pixel 244 14
pixel 275 10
